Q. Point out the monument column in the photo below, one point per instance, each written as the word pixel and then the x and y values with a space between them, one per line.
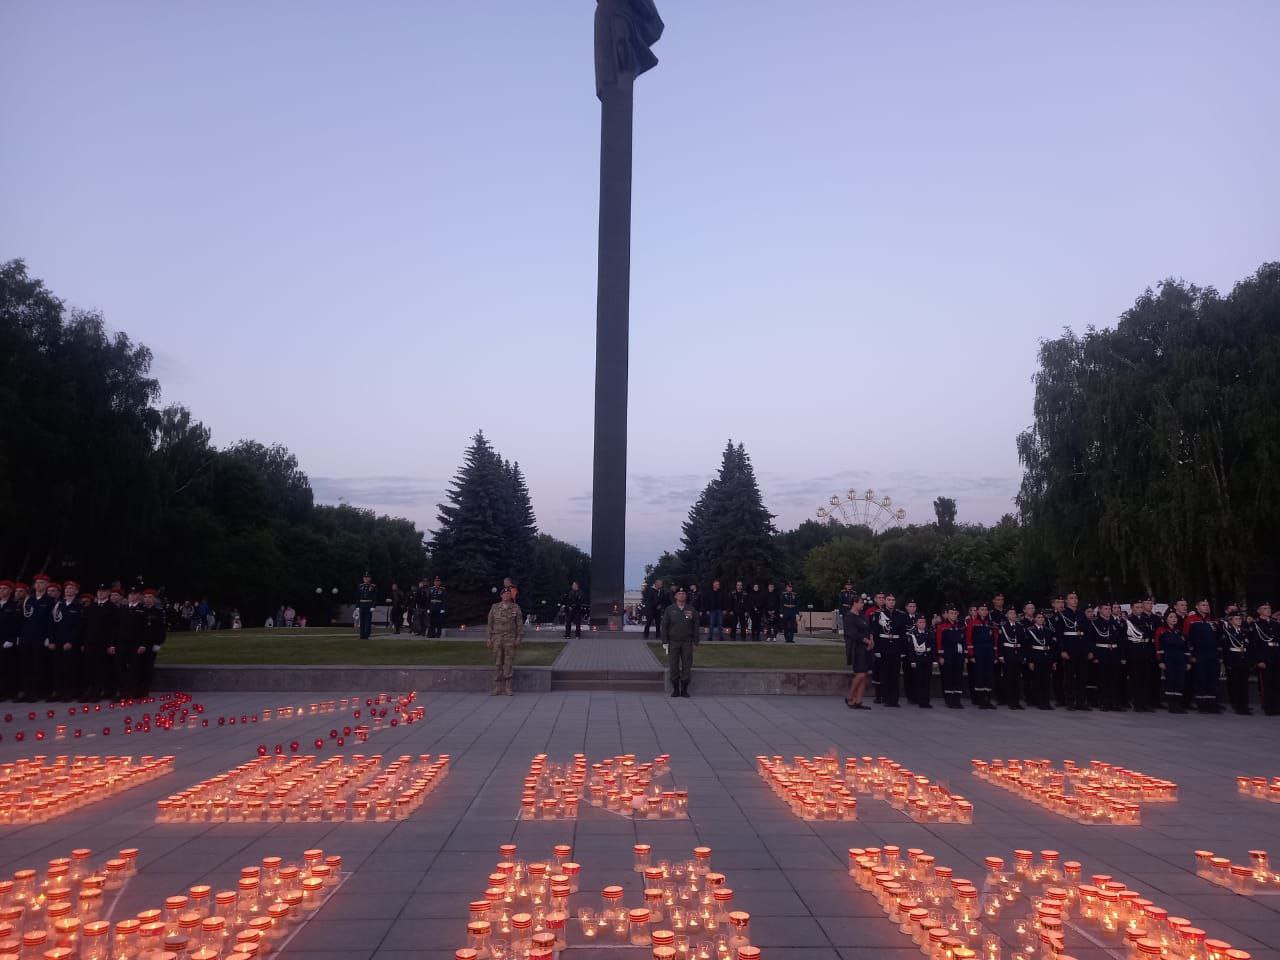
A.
pixel 624 30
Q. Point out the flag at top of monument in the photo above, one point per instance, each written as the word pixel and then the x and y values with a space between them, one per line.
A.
pixel 625 30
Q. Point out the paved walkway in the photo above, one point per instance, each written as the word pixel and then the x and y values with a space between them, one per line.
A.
pixel 607 654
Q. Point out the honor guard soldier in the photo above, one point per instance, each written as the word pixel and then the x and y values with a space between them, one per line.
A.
pixel 33 644
pixel 1038 643
pixel 680 627
pixel 1106 637
pixel 889 628
pixel 436 609
pixel 789 611
pixel 951 648
pixel 1009 657
pixel 97 665
pixel 1235 651
pixel 10 630
pixel 68 643
pixel 1264 651
pixel 920 651
pixel 131 639
pixel 1202 640
pixel 739 609
pixel 505 631
pixel 980 646
pixel 1140 634
pixel 1073 651
pixel 153 634
pixel 574 603
pixel 418 609
pixel 1171 655
pixel 366 597
pixel 845 602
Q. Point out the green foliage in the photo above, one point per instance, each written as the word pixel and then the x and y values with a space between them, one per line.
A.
pixel 850 555
pixel 944 508
pixel 729 534
pixel 1151 464
pixel 556 565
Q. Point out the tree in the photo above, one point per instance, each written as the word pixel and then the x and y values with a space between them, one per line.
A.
pixel 729 534
pixel 846 557
pixel 944 508
pixel 556 565
pixel 1151 462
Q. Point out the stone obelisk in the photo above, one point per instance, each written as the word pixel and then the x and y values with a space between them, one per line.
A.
pixel 624 31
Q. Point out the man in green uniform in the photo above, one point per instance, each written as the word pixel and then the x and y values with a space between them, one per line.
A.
pixel 506 630
pixel 680 630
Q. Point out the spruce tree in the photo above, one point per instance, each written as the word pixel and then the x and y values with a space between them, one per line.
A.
pixel 521 529
pixel 468 549
pixel 729 534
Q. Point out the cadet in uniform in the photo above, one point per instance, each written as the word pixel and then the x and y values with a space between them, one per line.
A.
pixel 10 631
pixel 436 609
pixel 845 603
pixel 1171 653
pixel 574 603
pixel 789 610
pixel 1073 651
pixel 1140 631
pixel 505 631
pixel 131 638
pixel 889 628
pixel 1264 651
pixel 680 625
pixel 951 648
pixel 980 645
pixel 33 645
pixel 366 597
pixel 1202 640
pixel 1235 651
pixel 153 634
pixel 920 653
pixel 1009 658
pixel 655 601
pixel 68 643
pixel 1038 641
pixel 98 666
pixel 1106 638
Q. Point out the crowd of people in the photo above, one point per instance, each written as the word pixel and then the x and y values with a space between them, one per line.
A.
pixel 761 611
pixel 1099 656
pixel 58 642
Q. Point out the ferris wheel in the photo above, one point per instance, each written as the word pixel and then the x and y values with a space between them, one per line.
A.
pixel 862 509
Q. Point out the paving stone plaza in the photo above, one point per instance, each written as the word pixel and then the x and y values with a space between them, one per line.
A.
pixel 408 884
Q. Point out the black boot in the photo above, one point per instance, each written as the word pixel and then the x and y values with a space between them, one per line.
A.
pixel 675 688
pixel 684 690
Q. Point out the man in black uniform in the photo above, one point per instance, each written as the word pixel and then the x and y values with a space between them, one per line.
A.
pixel 951 651
pixel 740 605
pixel 366 597
pixel 1235 653
pixel 130 639
pixel 1107 638
pixel 68 643
pixel 10 630
pixel 655 601
pixel 889 627
pixel 845 602
pixel 436 609
pixel 789 612
pixel 33 646
pixel 575 604
pixel 757 606
pixel 1009 643
pixel 99 636
pixel 714 606
pixel 920 652
pixel 418 609
pixel 1073 651
pixel 1140 632
pixel 772 610
pixel 1264 651
pixel 1038 644
pixel 153 634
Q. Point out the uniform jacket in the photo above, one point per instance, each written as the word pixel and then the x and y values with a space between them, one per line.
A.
pixel 68 624
pixel 37 620
pixel 100 625
pixel 506 623
pixel 680 626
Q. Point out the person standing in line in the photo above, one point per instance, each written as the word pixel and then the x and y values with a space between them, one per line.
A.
pixel 857 652
pixel 1171 654
pixel 740 603
pixel 1140 631
pixel 131 640
pixel 153 634
pixel 37 617
pixel 505 631
pixel 920 651
pixel 789 611
pixel 10 630
pixel 1202 638
pixel 574 603
pixel 99 634
pixel 1074 652
pixel 68 643
pixel 399 603
pixel 1264 651
pixel 889 627
pixel 1235 651
pixel 437 601
pixel 758 604
pixel 714 604
pixel 655 601
pixel 1009 658
pixel 680 627
pixel 952 650
pixel 1038 653
pixel 1106 641
pixel 980 645
pixel 366 597
pixel 772 611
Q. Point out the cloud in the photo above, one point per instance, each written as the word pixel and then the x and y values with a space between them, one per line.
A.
pixel 411 494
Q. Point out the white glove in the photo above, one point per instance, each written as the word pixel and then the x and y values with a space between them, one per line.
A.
pixel 155 648
pixel 8 644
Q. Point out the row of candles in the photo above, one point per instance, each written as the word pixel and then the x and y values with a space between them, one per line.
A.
pixel 621 785
pixel 172 710
pixel 1259 788
pixel 818 788
pixel 298 789
pixel 1256 876
pixel 686 911
pixel 1111 795
pixel 36 789
pixel 1033 905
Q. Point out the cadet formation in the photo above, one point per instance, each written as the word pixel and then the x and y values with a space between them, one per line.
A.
pixel 60 643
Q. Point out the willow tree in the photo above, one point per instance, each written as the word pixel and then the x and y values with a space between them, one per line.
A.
pixel 1152 460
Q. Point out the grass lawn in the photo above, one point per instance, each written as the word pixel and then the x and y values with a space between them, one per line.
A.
pixel 760 656
pixel 339 646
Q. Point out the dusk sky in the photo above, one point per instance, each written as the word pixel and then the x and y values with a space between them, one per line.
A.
pixel 367 230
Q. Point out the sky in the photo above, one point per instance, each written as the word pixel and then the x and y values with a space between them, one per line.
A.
pixel 366 231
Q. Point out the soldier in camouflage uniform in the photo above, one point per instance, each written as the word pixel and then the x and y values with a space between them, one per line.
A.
pixel 506 629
